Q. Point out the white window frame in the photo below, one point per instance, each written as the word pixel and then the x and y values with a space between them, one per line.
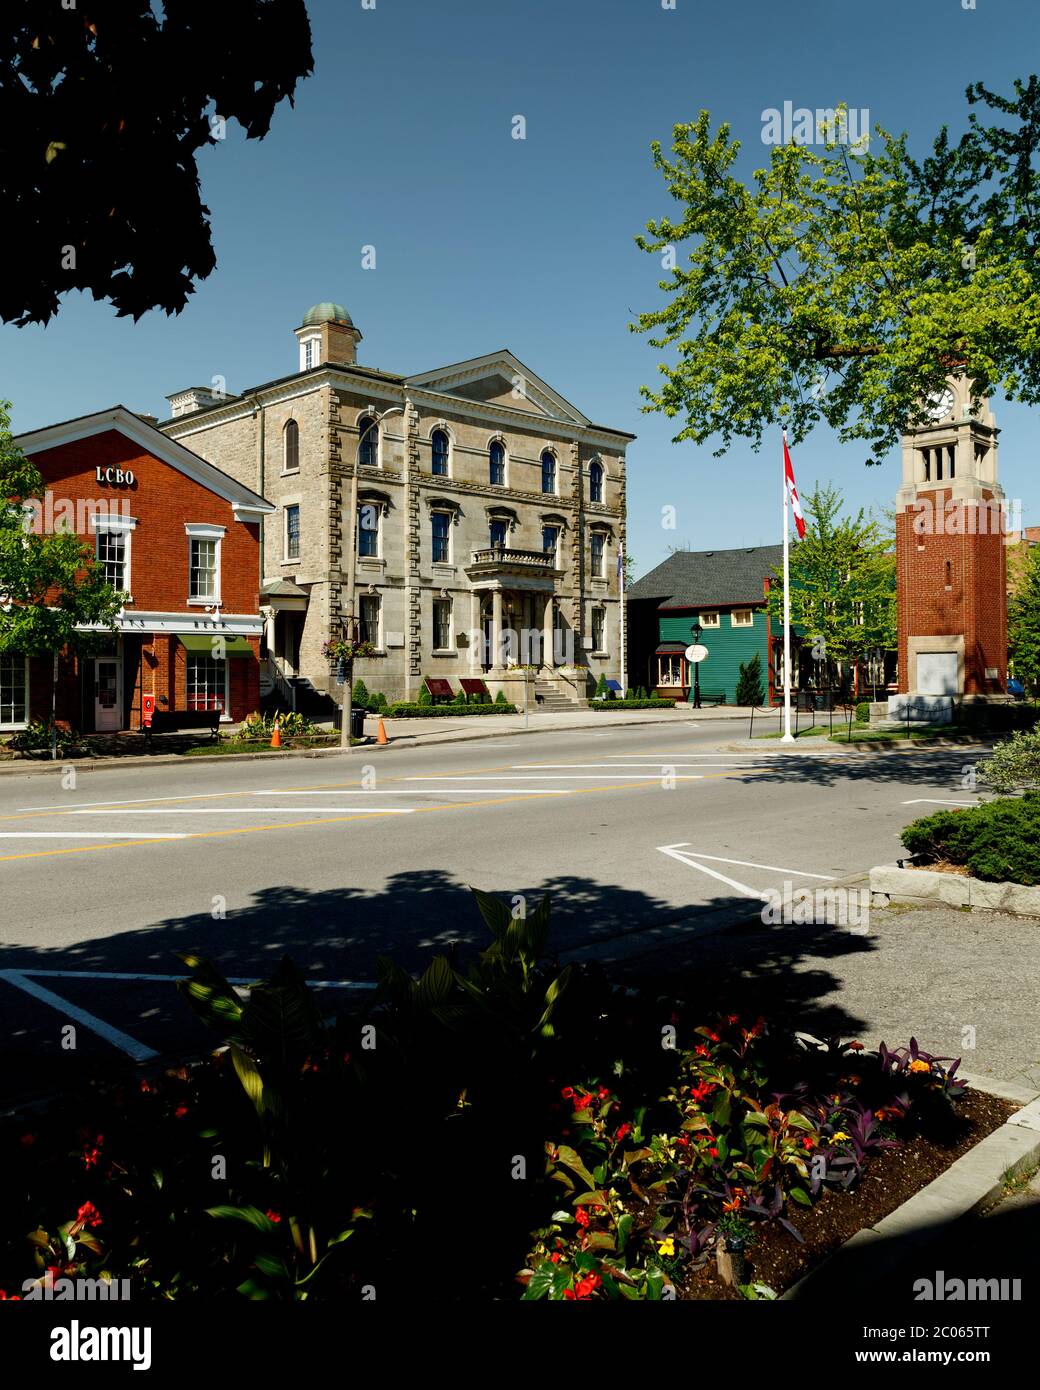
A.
pixel 288 559
pixel 14 725
pixel 225 713
pixel 750 617
pixel 203 531
pixel 312 341
pixel 440 651
pixel 378 529
pixel 672 658
pixel 710 619
pixel 105 524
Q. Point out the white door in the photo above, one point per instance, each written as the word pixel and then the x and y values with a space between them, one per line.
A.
pixel 937 673
pixel 108 689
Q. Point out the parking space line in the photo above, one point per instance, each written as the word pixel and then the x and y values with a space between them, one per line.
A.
pixel 123 1041
pixel 432 791
pixel 673 851
pixel 938 801
pixel 88 835
pixel 749 864
pixel 247 811
pixel 172 979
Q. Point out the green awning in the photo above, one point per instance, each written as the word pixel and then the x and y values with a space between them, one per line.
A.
pixel 204 645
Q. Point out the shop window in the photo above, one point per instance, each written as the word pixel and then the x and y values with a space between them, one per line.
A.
pixel 670 671
pixel 14 690
pixel 206 683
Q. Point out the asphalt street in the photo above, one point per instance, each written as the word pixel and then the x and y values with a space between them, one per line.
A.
pixel 654 842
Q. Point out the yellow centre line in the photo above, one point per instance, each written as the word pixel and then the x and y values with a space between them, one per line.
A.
pixel 337 820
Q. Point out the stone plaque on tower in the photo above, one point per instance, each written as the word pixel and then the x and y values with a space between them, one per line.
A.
pixel 951 561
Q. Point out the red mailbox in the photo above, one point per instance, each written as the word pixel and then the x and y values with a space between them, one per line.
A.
pixel 147 710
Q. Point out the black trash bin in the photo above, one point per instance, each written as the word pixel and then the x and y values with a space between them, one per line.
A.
pixel 357 722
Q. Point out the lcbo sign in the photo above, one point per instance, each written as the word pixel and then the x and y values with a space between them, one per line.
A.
pixel 119 477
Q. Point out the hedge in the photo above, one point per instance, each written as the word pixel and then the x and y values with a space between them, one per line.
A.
pixel 998 841
pixel 401 710
pixel 632 704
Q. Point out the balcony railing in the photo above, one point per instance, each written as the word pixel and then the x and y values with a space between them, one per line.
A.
pixel 504 555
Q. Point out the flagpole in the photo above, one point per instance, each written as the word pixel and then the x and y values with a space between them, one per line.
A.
pixel 624 654
pixel 788 737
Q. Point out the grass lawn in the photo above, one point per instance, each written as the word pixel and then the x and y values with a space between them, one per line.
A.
pixel 812 731
pixel 862 733
pixel 252 745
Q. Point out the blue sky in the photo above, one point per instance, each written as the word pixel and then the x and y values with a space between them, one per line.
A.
pixel 402 140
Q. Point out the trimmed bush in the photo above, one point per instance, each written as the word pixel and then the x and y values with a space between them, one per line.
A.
pixel 653 702
pixel 749 682
pixel 500 698
pixel 863 712
pixel 1015 764
pixel 460 698
pixel 359 696
pixel 403 710
pixel 998 841
pixel 379 700
pixel 425 698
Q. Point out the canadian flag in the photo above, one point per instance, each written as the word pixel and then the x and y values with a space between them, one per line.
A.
pixel 796 506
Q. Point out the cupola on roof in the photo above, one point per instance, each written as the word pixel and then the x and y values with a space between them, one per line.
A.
pixel 326 312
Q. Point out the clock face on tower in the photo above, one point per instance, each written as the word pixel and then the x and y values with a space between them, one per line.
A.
pixel 939 404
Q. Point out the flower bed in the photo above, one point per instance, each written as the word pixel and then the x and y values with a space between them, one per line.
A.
pixel 603 1152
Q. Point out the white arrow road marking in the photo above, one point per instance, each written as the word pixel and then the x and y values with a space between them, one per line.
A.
pixel 937 801
pixel 749 864
pixel 674 852
pixel 123 1041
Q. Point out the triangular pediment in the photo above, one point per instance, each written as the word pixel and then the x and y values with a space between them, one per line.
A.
pixel 500 379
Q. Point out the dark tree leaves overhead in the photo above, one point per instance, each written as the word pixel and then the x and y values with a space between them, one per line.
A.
pixel 103 109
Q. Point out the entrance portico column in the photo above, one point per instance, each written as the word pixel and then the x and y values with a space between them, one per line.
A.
pixel 476 633
pixel 547 632
pixel 496 628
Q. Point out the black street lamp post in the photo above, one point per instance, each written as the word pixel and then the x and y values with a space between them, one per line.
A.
pixel 695 633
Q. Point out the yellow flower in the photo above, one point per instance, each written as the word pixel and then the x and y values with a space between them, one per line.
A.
pixel 666 1246
pixel 920 1065
pixel 839 1135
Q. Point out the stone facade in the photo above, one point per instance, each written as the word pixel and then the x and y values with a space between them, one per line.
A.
pixel 433 537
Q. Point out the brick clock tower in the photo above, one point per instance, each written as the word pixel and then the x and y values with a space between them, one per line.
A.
pixel 951 562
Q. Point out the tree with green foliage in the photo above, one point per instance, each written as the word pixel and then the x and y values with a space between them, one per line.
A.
pixel 846 280
pixel 52 585
pixel 1024 619
pixel 603 691
pixel 843 585
pixel 105 106
pixel 500 698
pixel 749 682
pixel 359 696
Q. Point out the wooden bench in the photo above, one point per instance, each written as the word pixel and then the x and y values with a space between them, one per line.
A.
pixel 710 697
pixel 475 687
pixel 439 689
pixel 172 721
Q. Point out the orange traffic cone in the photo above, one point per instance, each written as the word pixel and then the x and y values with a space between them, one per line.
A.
pixel 276 736
pixel 381 733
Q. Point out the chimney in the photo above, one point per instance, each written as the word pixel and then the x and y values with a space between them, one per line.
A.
pixel 327 335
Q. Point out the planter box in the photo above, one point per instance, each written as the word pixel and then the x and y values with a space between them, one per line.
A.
pixel 889 883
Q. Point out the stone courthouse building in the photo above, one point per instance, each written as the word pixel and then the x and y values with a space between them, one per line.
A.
pixel 490 512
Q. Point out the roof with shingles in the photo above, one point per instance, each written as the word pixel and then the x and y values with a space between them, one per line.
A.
pixel 703 578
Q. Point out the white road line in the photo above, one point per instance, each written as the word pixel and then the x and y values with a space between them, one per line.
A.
pixel 663 763
pixel 565 777
pixel 172 979
pixel 123 1041
pixel 674 852
pixel 433 791
pixel 246 811
pixel 937 801
pixel 749 864
pixel 130 801
pixel 88 834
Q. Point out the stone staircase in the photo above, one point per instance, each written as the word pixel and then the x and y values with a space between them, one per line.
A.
pixel 553 698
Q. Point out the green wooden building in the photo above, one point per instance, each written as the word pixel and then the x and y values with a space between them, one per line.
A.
pixel 725 591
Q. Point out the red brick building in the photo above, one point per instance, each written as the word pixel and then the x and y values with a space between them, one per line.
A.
pixel 182 539
pixel 951 525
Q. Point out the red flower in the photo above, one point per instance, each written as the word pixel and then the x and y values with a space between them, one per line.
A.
pixel 603 1092
pixel 556 1257
pixel 622 1130
pixel 27 1141
pixel 713 1036
pixel 89 1215
pixel 273 1216
pixel 808 1143
pixel 584 1287
pixel 583 1102
pixel 581 1216
pixel 701 1051
pixel 713 1152
pixel 855 1047
pixel 702 1090
pixel 145 1088
pixel 12 1297
pixel 731 1019
pixel 181 1111
pixel 682 1142
pixel 567 1093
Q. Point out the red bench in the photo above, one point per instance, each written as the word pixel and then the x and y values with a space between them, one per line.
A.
pixel 475 687
pixel 439 688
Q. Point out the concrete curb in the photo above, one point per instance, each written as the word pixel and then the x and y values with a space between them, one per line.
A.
pixel 919 886
pixel 972 1183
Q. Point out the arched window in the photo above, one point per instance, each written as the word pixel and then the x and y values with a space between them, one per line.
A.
pixel 497 463
pixel 595 482
pixel 368 442
pixel 290 447
pixel 439 444
pixel 548 472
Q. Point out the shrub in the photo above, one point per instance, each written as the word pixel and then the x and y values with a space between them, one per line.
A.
pixel 402 709
pixel 379 701
pixel 749 682
pixel 36 737
pixel 256 725
pixel 500 698
pixel 359 696
pixel 603 691
pixel 1014 765
pixel 293 724
pixel 652 702
pixel 863 712
pixel 460 698
pixel 425 698
pixel 998 841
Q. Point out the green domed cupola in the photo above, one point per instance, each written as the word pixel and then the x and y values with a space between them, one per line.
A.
pixel 326 313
